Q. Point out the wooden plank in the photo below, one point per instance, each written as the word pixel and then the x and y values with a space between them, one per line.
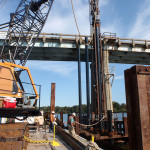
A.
pixel 77 125
pixel 15 145
pixel 13 126
pixel 11 134
pixel 125 126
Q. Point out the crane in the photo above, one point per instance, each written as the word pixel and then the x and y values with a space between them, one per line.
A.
pixel 25 25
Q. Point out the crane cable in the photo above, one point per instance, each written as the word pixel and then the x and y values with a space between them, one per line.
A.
pixel 2 4
pixel 78 26
pixel 75 18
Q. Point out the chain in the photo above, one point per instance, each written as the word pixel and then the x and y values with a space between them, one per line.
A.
pixel 36 142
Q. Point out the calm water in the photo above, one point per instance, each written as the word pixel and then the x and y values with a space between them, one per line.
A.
pixel 116 115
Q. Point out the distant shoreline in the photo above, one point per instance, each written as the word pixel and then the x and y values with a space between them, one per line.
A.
pixel 68 109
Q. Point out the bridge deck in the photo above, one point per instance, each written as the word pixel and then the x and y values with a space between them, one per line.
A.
pixel 63 47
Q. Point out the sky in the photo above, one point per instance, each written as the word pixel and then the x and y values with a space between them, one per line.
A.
pixel 128 19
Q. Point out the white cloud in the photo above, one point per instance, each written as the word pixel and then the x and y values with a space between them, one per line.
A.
pixel 61 68
pixel 61 19
pixel 119 77
pixel 141 27
pixel 114 27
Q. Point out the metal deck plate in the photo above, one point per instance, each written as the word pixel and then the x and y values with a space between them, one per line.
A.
pixel 19 112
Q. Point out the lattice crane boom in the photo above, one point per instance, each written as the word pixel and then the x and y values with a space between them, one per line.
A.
pixel 24 28
pixel 16 82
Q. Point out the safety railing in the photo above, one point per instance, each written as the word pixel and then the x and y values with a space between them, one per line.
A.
pixel 109 35
pixel 106 37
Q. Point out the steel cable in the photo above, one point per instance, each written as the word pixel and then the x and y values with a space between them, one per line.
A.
pixel 1 2
pixel 78 26
pixel 91 124
pixel 75 18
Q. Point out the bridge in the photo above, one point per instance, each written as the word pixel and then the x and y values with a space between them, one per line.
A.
pixel 63 47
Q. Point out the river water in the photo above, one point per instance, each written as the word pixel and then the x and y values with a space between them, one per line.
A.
pixel 115 115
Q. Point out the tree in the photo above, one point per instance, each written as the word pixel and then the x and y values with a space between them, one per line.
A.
pixel 116 106
pixel 119 107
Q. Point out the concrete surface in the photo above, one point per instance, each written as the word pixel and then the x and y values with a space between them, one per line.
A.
pixel 41 135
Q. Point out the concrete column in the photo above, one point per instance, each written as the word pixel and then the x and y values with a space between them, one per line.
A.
pixel 107 84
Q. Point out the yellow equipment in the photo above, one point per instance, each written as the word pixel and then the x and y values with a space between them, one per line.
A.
pixel 12 86
pixel 18 94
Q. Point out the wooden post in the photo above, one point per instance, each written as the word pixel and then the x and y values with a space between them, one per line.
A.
pixel 52 97
pixel 61 118
pixel 77 125
pixel 125 126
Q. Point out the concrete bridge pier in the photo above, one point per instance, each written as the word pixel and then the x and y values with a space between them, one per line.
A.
pixel 108 74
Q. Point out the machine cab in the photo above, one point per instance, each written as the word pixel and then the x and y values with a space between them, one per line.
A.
pixel 17 86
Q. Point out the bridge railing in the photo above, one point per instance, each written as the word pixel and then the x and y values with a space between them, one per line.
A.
pixel 110 38
pixel 107 38
pixel 52 36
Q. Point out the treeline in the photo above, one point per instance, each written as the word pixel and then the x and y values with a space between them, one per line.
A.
pixel 119 107
pixel 66 109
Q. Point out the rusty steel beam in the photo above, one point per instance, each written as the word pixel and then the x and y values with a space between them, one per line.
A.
pixel 125 126
pixel 52 97
pixel 94 99
pixel 69 139
pixel 99 137
pixel 137 83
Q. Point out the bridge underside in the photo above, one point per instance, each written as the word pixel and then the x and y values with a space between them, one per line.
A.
pixel 129 57
pixel 57 47
pixel 71 54
pixel 57 54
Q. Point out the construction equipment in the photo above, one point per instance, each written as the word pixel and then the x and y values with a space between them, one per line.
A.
pixel 16 83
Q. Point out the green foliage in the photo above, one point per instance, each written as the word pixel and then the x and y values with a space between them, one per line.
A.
pixel 66 109
pixel 117 108
pixel 45 108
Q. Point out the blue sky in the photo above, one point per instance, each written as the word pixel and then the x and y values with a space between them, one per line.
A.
pixel 128 19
